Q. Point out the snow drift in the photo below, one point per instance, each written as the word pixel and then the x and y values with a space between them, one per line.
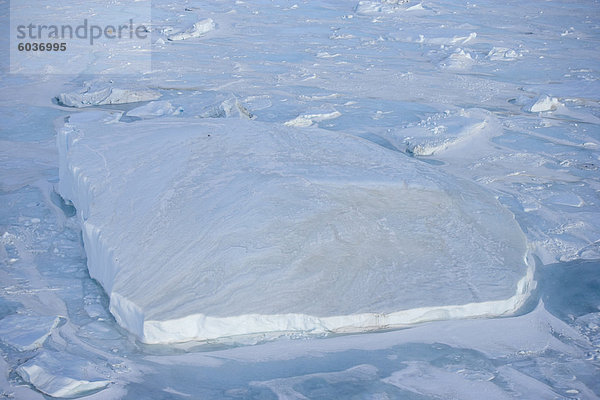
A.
pixel 206 228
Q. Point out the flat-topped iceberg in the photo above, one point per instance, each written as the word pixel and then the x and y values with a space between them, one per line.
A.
pixel 207 228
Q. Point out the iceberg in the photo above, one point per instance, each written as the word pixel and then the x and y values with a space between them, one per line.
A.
pixel 204 229
pixel 63 376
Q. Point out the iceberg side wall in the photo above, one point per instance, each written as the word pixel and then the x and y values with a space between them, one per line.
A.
pixel 76 187
pixel 202 327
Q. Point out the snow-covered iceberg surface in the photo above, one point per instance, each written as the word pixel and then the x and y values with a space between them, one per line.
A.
pixel 206 228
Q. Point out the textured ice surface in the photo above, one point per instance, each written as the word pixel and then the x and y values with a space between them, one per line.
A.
pixel 99 92
pixel 153 109
pixel 25 332
pixel 447 130
pixel 382 73
pixel 198 29
pixel 200 230
pixel 62 376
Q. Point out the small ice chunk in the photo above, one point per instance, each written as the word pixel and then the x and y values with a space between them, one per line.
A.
pixel 153 109
pixel 230 107
pixel 543 103
pixel 254 228
pixel 25 332
pixel 460 59
pixel 306 120
pixel 101 93
pixel 442 131
pixel 383 7
pixel 502 54
pixel 567 199
pixel 198 29
pixel 463 39
pixel 62 375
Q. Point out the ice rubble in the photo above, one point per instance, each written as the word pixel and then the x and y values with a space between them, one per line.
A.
pixel 541 103
pixel 62 375
pixel 99 92
pixel 208 228
pixel 154 109
pixel 198 29
pixel 446 130
pixel 544 103
pixel 368 7
pixel 306 120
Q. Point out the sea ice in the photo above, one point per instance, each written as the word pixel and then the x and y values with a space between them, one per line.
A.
pixel 24 332
pixel 502 54
pixel 368 7
pixel 153 109
pixel 230 107
pixel 445 130
pixel 305 120
pixel 544 103
pixel 208 228
pixel 458 60
pixel 61 375
pixel 198 29
pixel 99 92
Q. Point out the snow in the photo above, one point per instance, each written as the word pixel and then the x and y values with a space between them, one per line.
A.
pixel 265 220
pixel 385 71
pixel 153 109
pixel 544 103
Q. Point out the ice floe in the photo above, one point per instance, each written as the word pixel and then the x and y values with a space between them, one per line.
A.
pixel 24 332
pixel 63 376
pixel 305 120
pixel 99 92
pixel 251 228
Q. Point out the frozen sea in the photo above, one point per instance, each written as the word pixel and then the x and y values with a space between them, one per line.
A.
pixel 501 95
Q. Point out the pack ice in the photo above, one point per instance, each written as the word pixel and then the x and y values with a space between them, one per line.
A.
pixel 202 229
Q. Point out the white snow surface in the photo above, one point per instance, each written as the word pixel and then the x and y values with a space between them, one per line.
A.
pixel 201 230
